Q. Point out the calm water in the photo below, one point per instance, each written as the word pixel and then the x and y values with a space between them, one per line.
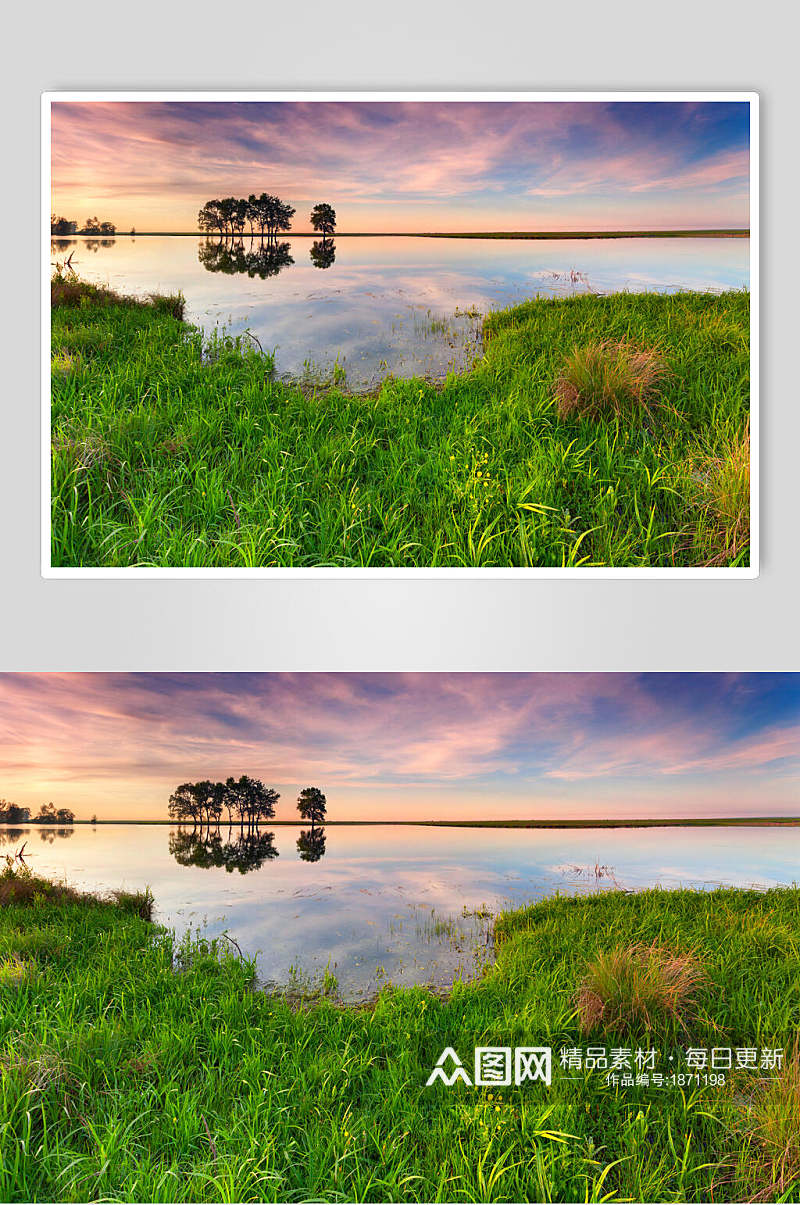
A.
pixel 402 305
pixel 377 903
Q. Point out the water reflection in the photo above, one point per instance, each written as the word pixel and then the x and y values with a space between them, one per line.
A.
pixel 408 306
pixel 261 257
pixel 412 905
pixel 323 253
pixel 245 853
pixel 12 836
pixel 48 835
pixel 87 244
pixel 311 844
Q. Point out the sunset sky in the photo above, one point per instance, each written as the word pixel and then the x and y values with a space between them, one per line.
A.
pixel 408 166
pixel 405 746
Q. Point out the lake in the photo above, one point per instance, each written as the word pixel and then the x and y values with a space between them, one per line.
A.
pixel 369 306
pixel 381 903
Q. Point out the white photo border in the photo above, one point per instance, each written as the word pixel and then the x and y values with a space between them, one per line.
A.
pixel 466 572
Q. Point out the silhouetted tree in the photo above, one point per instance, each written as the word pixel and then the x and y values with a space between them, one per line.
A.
pixel 311 805
pixel 323 218
pixel 231 213
pixel 108 228
pixel 323 253
pixel 183 805
pixel 60 225
pixel 47 814
pixel 211 217
pixel 240 216
pixel 209 797
pixel 269 214
pixel 13 813
pixel 251 801
pixel 92 226
pixel 311 844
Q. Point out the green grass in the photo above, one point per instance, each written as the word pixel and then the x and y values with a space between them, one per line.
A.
pixel 169 452
pixel 137 1069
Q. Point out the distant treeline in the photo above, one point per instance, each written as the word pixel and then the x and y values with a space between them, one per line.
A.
pixel 247 801
pixel 13 813
pixel 60 225
pixel 266 214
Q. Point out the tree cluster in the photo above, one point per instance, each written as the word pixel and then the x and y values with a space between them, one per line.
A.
pixel 13 813
pixel 247 801
pixel 59 225
pixel 230 216
pixel 267 214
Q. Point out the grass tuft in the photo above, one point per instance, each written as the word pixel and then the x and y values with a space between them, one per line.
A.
pixel 638 985
pixel 69 291
pixel 772 1123
pixel 726 499
pixel 137 903
pixel 19 886
pixel 608 379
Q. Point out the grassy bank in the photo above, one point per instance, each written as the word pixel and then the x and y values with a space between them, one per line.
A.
pixel 167 452
pixel 134 1069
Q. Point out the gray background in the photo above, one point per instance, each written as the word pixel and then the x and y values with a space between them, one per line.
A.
pixel 408 624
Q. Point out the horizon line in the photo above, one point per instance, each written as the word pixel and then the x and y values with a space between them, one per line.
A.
pixel 666 232
pixel 610 822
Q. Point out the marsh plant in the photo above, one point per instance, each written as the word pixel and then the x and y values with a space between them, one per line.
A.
pixel 608 379
pixel 638 986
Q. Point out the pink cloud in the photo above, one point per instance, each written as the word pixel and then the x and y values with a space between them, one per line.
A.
pixel 152 164
pixel 502 737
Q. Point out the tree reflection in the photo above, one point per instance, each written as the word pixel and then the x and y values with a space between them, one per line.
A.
pixel 261 257
pixel 206 849
pixel 48 835
pixel 311 844
pixel 10 836
pixel 323 253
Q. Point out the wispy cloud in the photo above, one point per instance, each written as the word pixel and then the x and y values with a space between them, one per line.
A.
pixel 385 165
pixel 499 741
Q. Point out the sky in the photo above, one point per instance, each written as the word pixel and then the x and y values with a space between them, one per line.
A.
pixel 408 166
pixel 409 746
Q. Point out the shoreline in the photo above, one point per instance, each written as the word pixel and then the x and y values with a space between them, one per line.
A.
pixel 472 234
pixel 702 822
